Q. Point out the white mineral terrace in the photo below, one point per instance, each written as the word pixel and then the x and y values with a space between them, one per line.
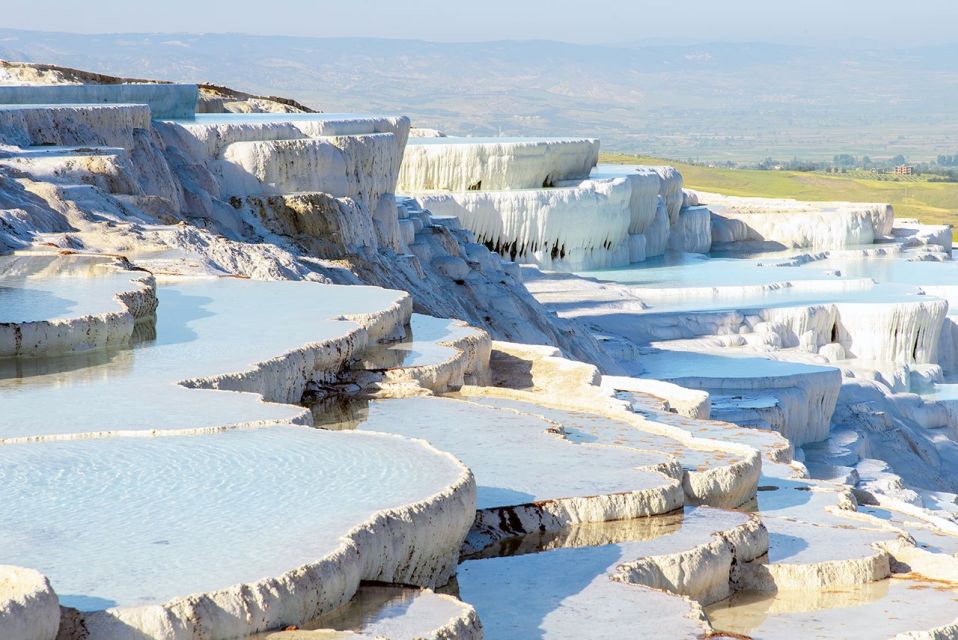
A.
pixel 49 287
pixel 821 225
pixel 579 215
pixel 131 525
pixel 495 445
pixel 427 341
pixel 52 304
pixel 397 613
pixel 584 428
pixel 201 341
pixel 590 581
pixel 545 226
pixel 774 457
pixel 894 608
pixel 633 212
pixel 223 129
pixel 128 522
pixel 164 100
pixel 461 164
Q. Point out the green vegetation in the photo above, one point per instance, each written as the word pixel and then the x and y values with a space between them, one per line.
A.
pixel 912 196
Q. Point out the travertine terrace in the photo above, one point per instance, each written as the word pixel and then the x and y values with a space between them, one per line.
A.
pixel 276 374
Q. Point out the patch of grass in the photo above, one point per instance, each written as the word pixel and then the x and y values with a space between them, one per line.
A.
pixel 930 202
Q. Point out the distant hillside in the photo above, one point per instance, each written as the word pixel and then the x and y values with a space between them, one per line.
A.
pixel 702 101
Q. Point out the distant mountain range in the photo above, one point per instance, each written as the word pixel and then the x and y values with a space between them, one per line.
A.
pixel 740 101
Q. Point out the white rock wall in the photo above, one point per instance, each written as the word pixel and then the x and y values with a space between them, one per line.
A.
pixel 204 141
pixel 646 187
pixel 106 125
pixel 327 226
pixel 363 167
pixel 795 224
pixel 903 333
pixel 671 192
pixel 278 166
pixel 494 165
pixel 694 231
pixel 29 609
pixel 164 100
pixel 948 345
pixel 657 234
pixel 569 227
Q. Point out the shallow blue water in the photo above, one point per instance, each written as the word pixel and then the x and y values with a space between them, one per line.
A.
pixel 895 278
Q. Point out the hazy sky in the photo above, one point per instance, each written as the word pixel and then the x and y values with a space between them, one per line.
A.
pixel 587 21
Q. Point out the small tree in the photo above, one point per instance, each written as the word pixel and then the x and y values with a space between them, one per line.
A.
pixel 845 161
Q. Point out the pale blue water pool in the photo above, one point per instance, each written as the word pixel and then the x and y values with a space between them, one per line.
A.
pixel 204 328
pixel 420 346
pixel 136 521
pixel 696 282
pixel 34 287
pixel 496 445
pixel 675 365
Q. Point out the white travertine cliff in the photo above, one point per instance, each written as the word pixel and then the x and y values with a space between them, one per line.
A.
pixel 479 164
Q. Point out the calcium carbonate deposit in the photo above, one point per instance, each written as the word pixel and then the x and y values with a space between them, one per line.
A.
pixel 274 374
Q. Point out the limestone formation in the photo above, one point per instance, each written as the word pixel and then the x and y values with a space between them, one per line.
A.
pixel 29 609
pixel 713 443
